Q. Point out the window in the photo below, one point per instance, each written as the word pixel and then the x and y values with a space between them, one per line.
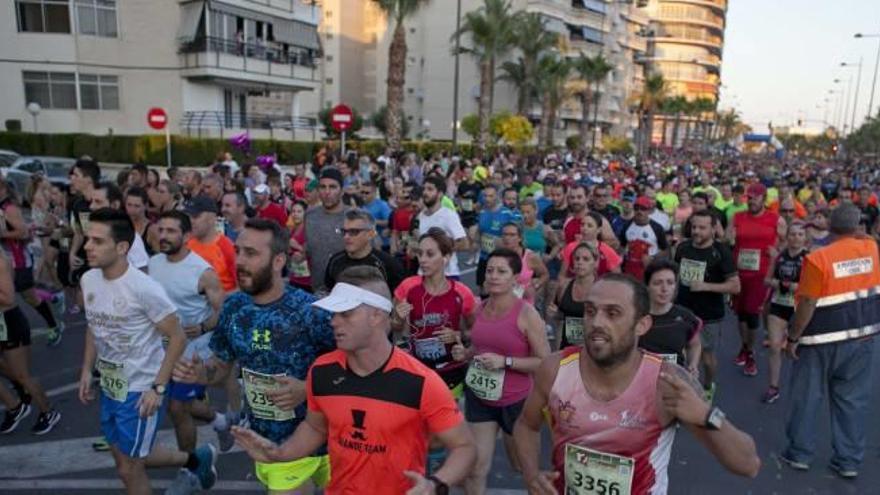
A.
pixel 50 89
pixel 96 17
pixel 98 92
pixel 43 16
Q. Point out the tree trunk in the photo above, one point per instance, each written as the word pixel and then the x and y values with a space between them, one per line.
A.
pixel 551 125
pixel 585 117
pixel 649 130
pixel 675 129
pixel 395 84
pixel 484 111
pixel 546 117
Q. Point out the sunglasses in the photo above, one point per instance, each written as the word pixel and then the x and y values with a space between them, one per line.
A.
pixel 350 232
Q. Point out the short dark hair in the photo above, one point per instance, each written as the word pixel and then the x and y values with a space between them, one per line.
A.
pixel 113 192
pixel 181 217
pixel 137 192
pixel 513 259
pixel 444 242
pixel 280 235
pixel 705 213
pixel 641 300
pixel 121 228
pixel 240 198
pixel 700 195
pixel 437 182
pixel 89 168
pixel 140 168
pixel 658 265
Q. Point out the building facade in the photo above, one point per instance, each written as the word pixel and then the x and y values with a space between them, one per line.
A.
pixel 97 66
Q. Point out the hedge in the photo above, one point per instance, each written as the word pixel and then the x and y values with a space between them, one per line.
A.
pixel 187 151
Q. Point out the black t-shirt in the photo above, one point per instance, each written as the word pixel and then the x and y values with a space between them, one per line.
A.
pixel 468 194
pixel 715 264
pixel 869 216
pixel 391 269
pixel 671 333
pixel 555 218
pixel 79 212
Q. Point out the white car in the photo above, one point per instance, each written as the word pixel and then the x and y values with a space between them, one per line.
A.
pixel 8 157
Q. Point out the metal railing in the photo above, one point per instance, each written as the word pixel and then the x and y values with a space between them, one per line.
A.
pixel 199 121
pixel 271 52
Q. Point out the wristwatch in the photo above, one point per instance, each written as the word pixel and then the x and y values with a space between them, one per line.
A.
pixel 440 488
pixel 158 388
pixel 508 362
pixel 714 419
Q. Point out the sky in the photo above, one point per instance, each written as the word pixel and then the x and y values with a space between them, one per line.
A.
pixel 781 58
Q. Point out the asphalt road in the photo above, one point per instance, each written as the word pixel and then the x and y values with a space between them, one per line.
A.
pixel 62 462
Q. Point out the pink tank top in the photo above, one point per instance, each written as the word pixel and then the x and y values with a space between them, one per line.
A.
pixel 626 426
pixel 503 336
pixel 524 279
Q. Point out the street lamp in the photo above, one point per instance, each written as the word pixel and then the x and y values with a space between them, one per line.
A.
pixel 34 108
pixel 455 82
pixel 876 64
pixel 852 125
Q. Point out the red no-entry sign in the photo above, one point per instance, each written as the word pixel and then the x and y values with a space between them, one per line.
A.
pixel 157 118
pixel 342 118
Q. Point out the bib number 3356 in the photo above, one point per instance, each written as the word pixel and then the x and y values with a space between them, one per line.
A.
pixel 589 472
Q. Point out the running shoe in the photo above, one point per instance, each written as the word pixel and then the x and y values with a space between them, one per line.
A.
pixel 771 395
pixel 101 445
pixel 742 357
pixel 46 422
pixel 709 393
pixel 796 465
pixel 751 366
pixel 14 417
pixel 185 483
pixel 54 335
pixel 847 474
pixel 206 472
pixel 224 435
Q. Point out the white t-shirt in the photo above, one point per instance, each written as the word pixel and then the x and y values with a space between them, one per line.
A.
pixel 137 253
pixel 662 218
pixel 122 316
pixel 447 220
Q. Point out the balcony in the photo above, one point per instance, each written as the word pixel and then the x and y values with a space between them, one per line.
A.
pixel 719 5
pixel 691 15
pixel 210 122
pixel 567 13
pixel 266 65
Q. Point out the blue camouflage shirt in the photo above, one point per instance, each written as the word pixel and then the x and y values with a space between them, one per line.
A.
pixel 284 336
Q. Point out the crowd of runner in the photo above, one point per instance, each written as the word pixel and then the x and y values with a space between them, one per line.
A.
pixel 326 301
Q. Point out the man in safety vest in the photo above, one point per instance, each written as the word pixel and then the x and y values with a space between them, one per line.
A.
pixel 838 311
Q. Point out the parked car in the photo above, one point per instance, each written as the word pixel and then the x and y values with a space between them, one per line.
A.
pixel 8 157
pixel 55 168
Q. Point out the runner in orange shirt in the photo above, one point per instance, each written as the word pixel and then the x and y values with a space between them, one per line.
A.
pixel 208 242
pixel 373 404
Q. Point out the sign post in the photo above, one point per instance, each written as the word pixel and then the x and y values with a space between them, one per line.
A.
pixel 158 119
pixel 342 119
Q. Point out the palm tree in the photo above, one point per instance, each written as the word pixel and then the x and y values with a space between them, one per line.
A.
pixel 704 109
pixel 674 106
pixel 593 70
pixel 517 73
pixel 553 73
pixel 727 123
pixel 492 30
pixel 649 101
pixel 399 10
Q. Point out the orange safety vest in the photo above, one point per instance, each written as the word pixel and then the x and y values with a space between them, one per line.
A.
pixel 844 278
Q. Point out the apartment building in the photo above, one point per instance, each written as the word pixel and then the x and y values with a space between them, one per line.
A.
pixel 355 37
pixel 97 66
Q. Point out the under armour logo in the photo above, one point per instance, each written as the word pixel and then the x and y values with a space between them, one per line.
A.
pixel 264 335
pixel 357 418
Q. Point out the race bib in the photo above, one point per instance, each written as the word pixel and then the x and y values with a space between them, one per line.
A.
pixel 589 472
pixel 691 271
pixel 749 259
pixel 467 205
pixel 430 349
pixel 114 383
pixel 487 243
pixel 786 299
pixel 256 388
pixel 84 220
pixel 669 358
pixel 4 331
pixel 574 330
pixel 299 268
pixel 485 384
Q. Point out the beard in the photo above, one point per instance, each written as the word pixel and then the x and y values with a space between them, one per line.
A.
pixel 169 248
pixel 612 353
pixel 430 203
pixel 261 280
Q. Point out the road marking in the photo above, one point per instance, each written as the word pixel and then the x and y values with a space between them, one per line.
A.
pixel 53 458
pixel 115 484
